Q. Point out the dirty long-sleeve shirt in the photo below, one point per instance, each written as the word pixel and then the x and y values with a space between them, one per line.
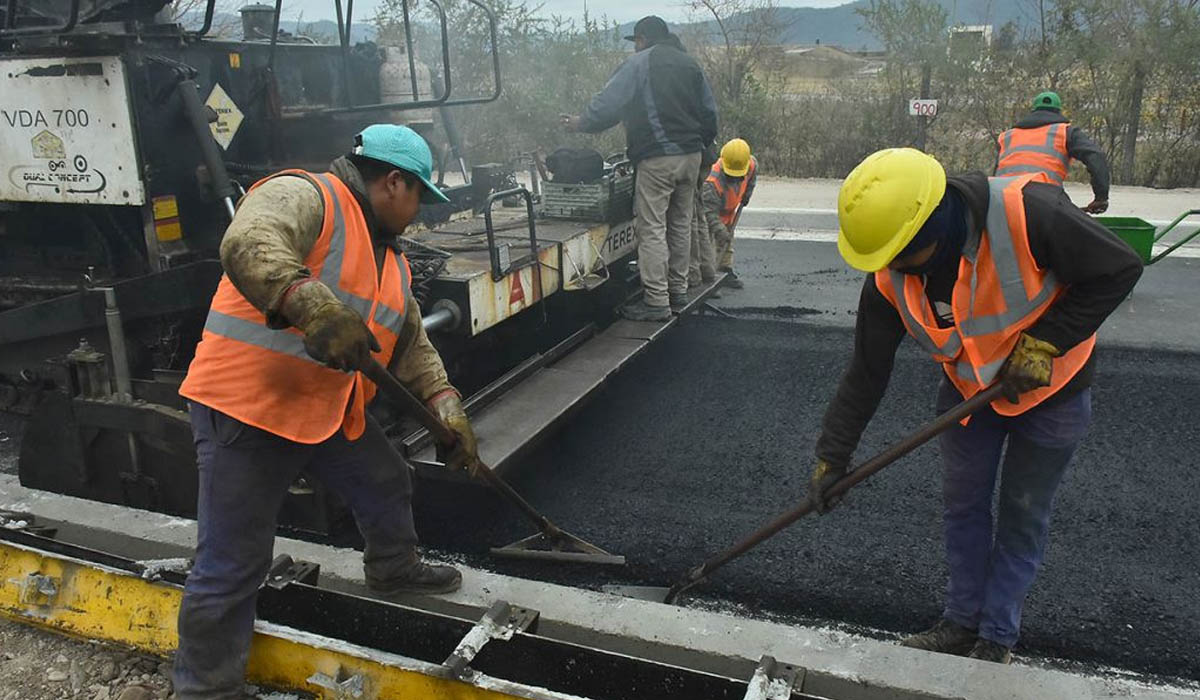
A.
pixel 1099 269
pixel 263 251
pixel 713 203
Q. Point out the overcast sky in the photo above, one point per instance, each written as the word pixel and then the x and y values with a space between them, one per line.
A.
pixel 671 10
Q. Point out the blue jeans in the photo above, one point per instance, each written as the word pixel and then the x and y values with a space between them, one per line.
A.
pixel 991 575
pixel 244 475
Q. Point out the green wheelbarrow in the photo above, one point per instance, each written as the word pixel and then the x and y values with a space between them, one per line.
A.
pixel 1141 235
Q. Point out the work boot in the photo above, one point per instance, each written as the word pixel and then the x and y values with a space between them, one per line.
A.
pixel 418 577
pixel 987 650
pixel 733 281
pixel 641 311
pixel 945 637
pixel 678 303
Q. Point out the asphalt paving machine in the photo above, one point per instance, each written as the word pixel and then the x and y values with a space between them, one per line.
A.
pixel 127 139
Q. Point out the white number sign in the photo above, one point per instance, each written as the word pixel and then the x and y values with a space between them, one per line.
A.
pixel 923 108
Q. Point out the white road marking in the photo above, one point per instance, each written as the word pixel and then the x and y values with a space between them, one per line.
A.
pixel 1190 250
pixel 833 212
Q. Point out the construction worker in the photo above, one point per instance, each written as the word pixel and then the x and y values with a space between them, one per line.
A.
pixel 314 287
pixel 1001 279
pixel 1045 142
pixel 727 191
pixel 661 96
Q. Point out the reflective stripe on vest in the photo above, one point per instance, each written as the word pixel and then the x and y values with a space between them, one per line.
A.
pixel 263 376
pixel 1039 150
pixel 731 196
pixel 331 276
pixel 999 293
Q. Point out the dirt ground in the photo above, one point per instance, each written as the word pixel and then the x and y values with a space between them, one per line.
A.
pixel 39 665
pixel 36 664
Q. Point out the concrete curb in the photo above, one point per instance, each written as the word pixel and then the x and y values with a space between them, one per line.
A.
pixel 839 665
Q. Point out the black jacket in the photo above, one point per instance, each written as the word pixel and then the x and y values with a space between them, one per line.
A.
pixel 663 99
pixel 1099 269
pixel 1079 147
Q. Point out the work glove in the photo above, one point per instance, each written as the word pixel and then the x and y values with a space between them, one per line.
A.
pixel 1028 367
pixel 464 453
pixel 336 335
pixel 1097 206
pixel 823 476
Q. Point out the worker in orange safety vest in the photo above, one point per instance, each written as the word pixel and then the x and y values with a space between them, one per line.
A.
pixel 1045 141
pixel 315 287
pixel 724 193
pixel 999 279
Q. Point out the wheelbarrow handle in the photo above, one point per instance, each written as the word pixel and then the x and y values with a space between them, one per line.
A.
pixel 841 486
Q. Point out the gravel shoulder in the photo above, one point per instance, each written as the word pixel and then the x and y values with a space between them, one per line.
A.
pixel 39 665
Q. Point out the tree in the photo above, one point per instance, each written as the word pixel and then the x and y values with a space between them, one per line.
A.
pixel 734 41
pixel 550 65
pixel 1126 54
pixel 190 13
pixel 915 35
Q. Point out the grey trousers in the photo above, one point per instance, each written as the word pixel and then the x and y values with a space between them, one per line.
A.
pixel 703 263
pixel 663 204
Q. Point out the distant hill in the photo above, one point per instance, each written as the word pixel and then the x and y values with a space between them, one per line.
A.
pixel 842 26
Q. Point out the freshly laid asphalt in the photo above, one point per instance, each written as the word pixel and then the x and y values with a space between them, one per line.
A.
pixel 711 434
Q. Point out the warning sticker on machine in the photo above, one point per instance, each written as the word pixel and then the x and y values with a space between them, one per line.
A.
pixel 65 132
pixel 229 117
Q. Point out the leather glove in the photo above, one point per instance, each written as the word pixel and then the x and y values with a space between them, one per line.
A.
pixel 1028 367
pixel 464 453
pixel 1097 206
pixel 823 476
pixel 337 336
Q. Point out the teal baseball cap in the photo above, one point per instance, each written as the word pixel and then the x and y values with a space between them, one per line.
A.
pixel 404 148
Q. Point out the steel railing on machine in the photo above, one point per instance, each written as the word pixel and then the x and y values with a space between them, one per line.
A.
pixel 12 30
pixel 345 21
pixel 74 17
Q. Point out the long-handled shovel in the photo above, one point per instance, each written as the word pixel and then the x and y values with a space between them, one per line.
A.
pixel 841 486
pixel 552 543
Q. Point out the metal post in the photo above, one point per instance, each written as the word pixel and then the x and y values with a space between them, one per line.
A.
pixel 412 60
pixel 438 320
pixel 197 115
pixel 275 36
pixel 344 42
pixel 116 344
pixel 922 120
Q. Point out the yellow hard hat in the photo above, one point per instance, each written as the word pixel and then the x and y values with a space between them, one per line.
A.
pixel 735 158
pixel 883 202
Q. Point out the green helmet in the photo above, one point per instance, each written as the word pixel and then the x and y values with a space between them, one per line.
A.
pixel 1047 100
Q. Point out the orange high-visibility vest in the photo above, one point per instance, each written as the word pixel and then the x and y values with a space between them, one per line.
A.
pixel 731 189
pixel 1000 292
pixel 262 376
pixel 1039 150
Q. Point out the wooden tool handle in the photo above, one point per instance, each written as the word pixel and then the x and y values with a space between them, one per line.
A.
pixel 847 482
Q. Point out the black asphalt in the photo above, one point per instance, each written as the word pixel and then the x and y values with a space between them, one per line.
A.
pixel 711 434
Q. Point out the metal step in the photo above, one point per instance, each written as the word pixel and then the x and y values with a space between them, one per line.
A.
pixel 530 409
